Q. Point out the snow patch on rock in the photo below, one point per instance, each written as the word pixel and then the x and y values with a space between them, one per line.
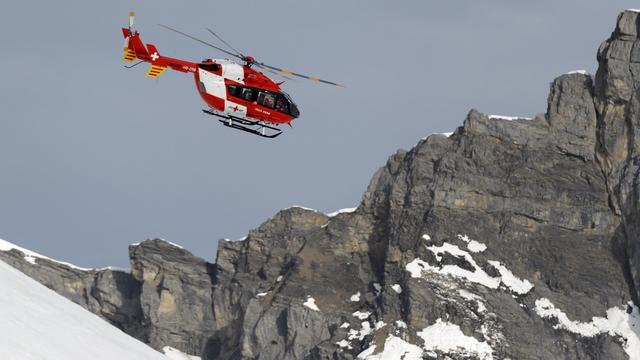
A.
pixel 509 280
pixel 447 134
pixel 344 344
pixel 378 288
pixel 618 322
pixel 508 118
pixel 355 297
pixel 30 259
pixel 417 267
pixel 311 304
pixel 473 297
pixel 301 207
pixel 397 288
pixel 394 348
pixel 173 244
pixel 361 314
pixel 448 338
pixel 342 211
pixel 478 276
pixel 32 256
pixel 472 245
pixel 360 335
pixel 175 354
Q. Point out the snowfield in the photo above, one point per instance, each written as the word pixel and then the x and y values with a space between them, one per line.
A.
pixel 38 324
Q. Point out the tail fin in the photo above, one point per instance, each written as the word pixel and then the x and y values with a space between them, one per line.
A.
pixel 133 46
pixel 129 54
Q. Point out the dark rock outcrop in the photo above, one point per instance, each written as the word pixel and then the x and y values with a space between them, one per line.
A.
pixel 501 234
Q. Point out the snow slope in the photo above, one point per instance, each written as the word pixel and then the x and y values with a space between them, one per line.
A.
pixel 38 324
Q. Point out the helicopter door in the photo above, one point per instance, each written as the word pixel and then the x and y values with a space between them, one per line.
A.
pixel 212 84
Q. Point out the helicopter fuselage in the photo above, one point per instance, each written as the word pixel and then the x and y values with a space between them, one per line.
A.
pixel 242 92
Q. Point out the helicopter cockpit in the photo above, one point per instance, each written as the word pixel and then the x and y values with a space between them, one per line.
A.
pixel 281 101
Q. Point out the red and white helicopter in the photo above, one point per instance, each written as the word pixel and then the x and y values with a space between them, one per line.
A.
pixel 244 99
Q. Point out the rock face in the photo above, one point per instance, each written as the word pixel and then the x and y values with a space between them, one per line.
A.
pixel 508 239
pixel 618 106
pixel 175 295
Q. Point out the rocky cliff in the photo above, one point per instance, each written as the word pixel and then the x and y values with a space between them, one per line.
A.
pixel 510 238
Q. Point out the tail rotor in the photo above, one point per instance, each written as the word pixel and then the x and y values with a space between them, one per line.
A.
pixel 129 54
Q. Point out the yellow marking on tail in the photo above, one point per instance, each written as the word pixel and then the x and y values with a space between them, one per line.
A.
pixel 129 55
pixel 155 71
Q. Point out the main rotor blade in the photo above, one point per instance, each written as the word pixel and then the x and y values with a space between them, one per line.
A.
pixel 273 72
pixel 201 41
pixel 226 43
pixel 289 72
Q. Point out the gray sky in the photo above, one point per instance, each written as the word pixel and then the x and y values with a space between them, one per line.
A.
pixel 94 157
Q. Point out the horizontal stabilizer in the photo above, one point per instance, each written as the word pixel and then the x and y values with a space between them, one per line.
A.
pixel 155 71
pixel 129 55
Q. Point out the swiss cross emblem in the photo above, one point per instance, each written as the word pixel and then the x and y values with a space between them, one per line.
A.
pixel 155 56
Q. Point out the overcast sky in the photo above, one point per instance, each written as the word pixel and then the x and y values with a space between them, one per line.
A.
pixel 94 157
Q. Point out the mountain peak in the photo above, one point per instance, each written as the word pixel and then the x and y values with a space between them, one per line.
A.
pixel 627 24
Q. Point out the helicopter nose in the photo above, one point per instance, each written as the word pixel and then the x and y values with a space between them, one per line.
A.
pixel 294 111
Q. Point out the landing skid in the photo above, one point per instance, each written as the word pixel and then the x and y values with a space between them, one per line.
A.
pixel 255 127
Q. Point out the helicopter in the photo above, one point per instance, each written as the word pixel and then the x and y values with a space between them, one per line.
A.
pixel 242 97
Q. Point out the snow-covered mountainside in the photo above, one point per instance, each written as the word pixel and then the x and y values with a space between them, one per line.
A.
pixel 511 238
pixel 38 324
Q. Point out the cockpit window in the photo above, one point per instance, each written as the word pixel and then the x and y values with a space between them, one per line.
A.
pixel 233 90
pixel 281 105
pixel 266 99
pixel 248 94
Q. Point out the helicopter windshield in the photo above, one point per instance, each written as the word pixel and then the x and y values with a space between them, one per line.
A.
pixel 293 109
